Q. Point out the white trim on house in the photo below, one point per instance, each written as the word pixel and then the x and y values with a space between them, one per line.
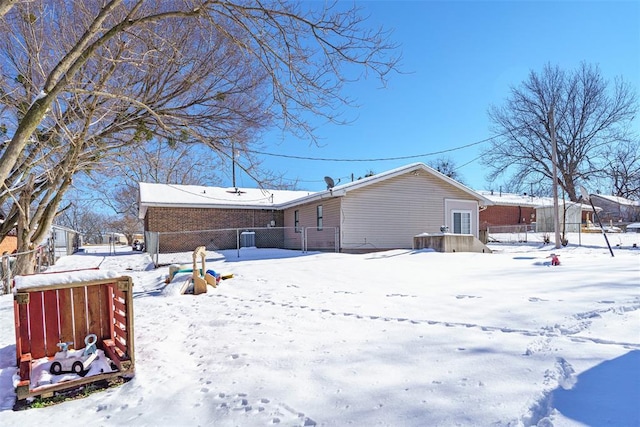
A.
pixel 458 205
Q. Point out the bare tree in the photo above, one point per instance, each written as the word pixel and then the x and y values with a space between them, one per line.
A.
pixel 446 166
pixel 300 51
pixel 82 217
pixel 591 117
pixel 83 80
pixel 623 170
pixel 5 6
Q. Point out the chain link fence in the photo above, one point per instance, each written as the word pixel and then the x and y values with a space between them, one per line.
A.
pixel 530 233
pixel 519 233
pixel 300 238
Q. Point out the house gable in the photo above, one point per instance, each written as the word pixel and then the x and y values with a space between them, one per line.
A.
pixel 389 213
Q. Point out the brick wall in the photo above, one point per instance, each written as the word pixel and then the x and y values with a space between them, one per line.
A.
pixel 8 244
pixel 189 224
pixel 506 215
pixel 192 219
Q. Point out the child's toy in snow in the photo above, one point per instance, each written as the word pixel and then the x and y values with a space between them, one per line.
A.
pixel 76 361
pixel 200 277
pixel 554 259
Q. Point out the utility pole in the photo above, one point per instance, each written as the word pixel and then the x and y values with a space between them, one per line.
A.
pixel 554 159
pixel 233 164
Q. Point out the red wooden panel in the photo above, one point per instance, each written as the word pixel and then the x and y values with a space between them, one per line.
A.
pixel 122 346
pixel 25 337
pixel 65 314
pixel 108 290
pixel 79 317
pixel 121 321
pixel 25 367
pixel 105 316
pixel 93 308
pixel 119 303
pixel 52 333
pixel 36 316
pixel 16 323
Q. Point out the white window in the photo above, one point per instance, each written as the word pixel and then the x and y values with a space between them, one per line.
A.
pixel 461 222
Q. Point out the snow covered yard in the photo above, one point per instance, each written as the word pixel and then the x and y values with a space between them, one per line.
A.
pixel 397 338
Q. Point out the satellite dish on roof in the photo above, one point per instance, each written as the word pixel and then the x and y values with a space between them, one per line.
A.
pixel 584 193
pixel 330 182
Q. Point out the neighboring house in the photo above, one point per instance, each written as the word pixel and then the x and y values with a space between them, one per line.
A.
pixel 383 211
pixel 386 210
pixel 571 216
pixel 9 244
pixel 63 241
pixel 616 209
pixel 187 210
pixel 508 209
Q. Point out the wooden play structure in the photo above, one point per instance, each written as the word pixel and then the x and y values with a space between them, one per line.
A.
pixel 200 277
pixel 59 309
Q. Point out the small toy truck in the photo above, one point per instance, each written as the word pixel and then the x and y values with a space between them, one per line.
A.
pixel 76 361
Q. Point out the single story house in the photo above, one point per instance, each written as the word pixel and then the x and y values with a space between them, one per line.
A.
pixel 616 209
pixel 379 212
pixel 508 209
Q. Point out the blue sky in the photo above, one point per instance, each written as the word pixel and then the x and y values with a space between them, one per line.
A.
pixel 459 58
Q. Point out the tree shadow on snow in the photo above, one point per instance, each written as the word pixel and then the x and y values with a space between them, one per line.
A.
pixel 7 370
pixel 607 394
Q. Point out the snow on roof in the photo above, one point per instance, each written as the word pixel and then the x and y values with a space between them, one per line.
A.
pixel 618 200
pixel 61 278
pixel 174 195
pixel 511 199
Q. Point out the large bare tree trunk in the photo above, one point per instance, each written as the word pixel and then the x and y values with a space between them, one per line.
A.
pixel 25 261
pixel 5 6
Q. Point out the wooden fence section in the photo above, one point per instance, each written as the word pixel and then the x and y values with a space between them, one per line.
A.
pixel 48 315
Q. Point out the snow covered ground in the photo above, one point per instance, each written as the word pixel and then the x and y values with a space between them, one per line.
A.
pixel 397 338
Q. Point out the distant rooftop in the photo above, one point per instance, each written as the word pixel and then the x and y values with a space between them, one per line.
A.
pixel 510 199
pixel 619 200
pixel 173 195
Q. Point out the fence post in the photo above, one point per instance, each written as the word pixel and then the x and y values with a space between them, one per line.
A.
pixel 157 248
pixel 238 241
pixel 5 274
pixel 303 236
pixel 580 234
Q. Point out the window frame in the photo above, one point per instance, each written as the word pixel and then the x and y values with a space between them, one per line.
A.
pixel 462 213
pixel 296 221
pixel 319 218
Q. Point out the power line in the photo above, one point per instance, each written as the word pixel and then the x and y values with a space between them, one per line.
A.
pixel 381 159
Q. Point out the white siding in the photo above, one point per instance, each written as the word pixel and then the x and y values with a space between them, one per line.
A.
pixel 308 217
pixel 389 213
